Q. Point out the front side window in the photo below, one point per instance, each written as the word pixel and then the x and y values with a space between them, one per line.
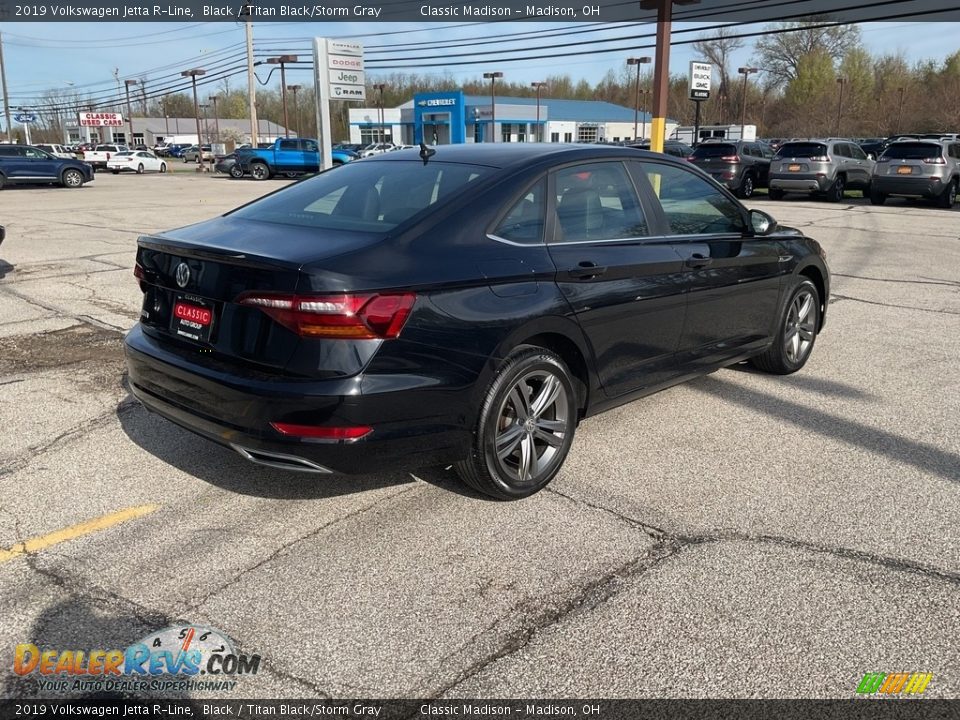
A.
pixel 692 204
pixel 597 201
pixel 289 145
pixel 523 223
pixel 310 146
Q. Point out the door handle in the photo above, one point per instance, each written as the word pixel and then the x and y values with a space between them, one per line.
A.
pixel 586 271
pixel 697 260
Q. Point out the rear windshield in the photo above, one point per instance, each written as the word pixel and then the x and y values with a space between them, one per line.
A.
pixel 912 151
pixel 714 150
pixel 365 196
pixel 802 150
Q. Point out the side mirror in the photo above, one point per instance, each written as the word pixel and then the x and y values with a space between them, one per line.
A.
pixel 762 223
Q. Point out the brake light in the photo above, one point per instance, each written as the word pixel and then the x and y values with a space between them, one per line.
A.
pixel 820 158
pixel 325 433
pixel 934 161
pixel 690 158
pixel 731 158
pixel 140 274
pixel 354 317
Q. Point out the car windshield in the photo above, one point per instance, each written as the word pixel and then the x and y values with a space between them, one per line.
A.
pixel 366 196
pixel 802 150
pixel 713 150
pixel 912 151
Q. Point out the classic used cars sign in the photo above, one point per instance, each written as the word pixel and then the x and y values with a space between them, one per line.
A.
pixel 95 119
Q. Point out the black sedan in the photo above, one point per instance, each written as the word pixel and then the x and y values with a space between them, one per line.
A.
pixel 227 164
pixel 467 305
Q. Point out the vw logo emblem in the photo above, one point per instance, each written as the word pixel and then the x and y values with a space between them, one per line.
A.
pixel 183 274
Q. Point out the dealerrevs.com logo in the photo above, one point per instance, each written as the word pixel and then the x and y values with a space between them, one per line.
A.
pixel 177 658
pixel 894 683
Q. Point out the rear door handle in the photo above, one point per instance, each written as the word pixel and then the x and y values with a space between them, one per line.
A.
pixel 697 260
pixel 586 271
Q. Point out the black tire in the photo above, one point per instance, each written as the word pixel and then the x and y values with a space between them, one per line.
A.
pixel 835 193
pixel 163 167
pixel 115 172
pixel 259 171
pixel 2 181
pixel 948 197
pixel 184 159
pixel 71 178
pixel 236 172
pixel 506 415
pixel 775 194
pixel 745 191
pixel 140 169
pixel 778 358
pixel 877 198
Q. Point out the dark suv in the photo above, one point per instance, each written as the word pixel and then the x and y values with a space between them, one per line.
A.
pixel 920 169
pixel 740 165
pixel 23 164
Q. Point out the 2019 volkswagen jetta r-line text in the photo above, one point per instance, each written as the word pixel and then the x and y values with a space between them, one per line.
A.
pixel 469 305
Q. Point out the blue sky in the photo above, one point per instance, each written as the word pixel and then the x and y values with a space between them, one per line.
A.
pixel 40 56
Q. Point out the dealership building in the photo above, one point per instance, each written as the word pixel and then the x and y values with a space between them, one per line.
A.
pixel 441 118
pixel 151 131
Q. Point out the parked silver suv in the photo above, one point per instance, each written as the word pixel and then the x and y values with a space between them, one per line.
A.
pixel 918 168
pixel 828 165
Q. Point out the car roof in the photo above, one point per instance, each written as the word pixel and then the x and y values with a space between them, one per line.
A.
pixel 503 155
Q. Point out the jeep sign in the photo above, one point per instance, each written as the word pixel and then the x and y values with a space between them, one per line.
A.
pixel 700 76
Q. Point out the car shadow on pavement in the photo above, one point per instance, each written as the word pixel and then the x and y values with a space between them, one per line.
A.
pixel 87 619
pixel 220 466
pixel 924 457
pixel 808 383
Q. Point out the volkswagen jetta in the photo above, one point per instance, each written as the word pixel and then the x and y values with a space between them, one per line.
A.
pixel 469 305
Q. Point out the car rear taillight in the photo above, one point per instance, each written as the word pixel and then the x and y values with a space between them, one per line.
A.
pixel 354 432
pixel 350 317
pixel 690 158
pixel 934 161
pixel 140 274
pixel 820 158
pixel 730 158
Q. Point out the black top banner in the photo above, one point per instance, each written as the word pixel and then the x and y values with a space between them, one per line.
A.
pixel 472 11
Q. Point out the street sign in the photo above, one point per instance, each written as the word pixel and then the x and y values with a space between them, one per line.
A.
pixel 25 118
pixel 346 77
pixel 701 75
pixel 338 75
pixel 341 47
pixel 347 92
pixel 100 119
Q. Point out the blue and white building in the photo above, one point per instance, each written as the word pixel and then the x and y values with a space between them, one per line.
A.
pixel 441 118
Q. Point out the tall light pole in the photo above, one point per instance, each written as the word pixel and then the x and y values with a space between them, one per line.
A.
pixel 128 83
pixel 296 106
pixel 899 111
pixel 216 115
pixel 841 81
pixel 6 97
pixel 746 72
pixel 282 60
pixel 492 77
pixel 380 87
pixel 193 74
pixel 539 87
pixel 246 15
pixel 206 127
pixel 646 100
pixel 638 61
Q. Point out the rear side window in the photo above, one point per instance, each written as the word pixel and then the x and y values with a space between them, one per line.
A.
pixel 367 196
pixel 523 223
pixel 802 150
pixel 714 150
pixel 597 201
pixel 912 151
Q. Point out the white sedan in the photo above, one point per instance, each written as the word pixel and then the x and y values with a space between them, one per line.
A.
pixel 138 161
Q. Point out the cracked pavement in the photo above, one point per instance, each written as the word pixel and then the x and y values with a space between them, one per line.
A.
pixel 741 535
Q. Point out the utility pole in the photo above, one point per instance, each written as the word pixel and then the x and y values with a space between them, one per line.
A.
pixel 296 106
pixel 127 84
pixel 841 81
pixel 6 98
pixel 745 71
pixel 192 74
pixel 380 87
pixel 216 116
pixel 636 107
pixel 251 78
pixel 539 86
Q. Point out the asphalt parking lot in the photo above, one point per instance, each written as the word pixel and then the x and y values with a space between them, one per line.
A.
pixel 742 535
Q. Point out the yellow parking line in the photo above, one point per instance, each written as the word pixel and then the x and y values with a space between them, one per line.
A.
pixel 75 531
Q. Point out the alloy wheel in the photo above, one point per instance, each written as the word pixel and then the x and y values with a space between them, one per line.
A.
pixel 72 179
pixel 532 424
pixel 800 330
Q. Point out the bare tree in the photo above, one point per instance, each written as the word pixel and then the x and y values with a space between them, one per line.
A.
pixel 779 53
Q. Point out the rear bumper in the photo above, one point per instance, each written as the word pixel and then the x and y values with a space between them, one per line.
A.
pixel 913 187
pixel 799 183
pixel 410 429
